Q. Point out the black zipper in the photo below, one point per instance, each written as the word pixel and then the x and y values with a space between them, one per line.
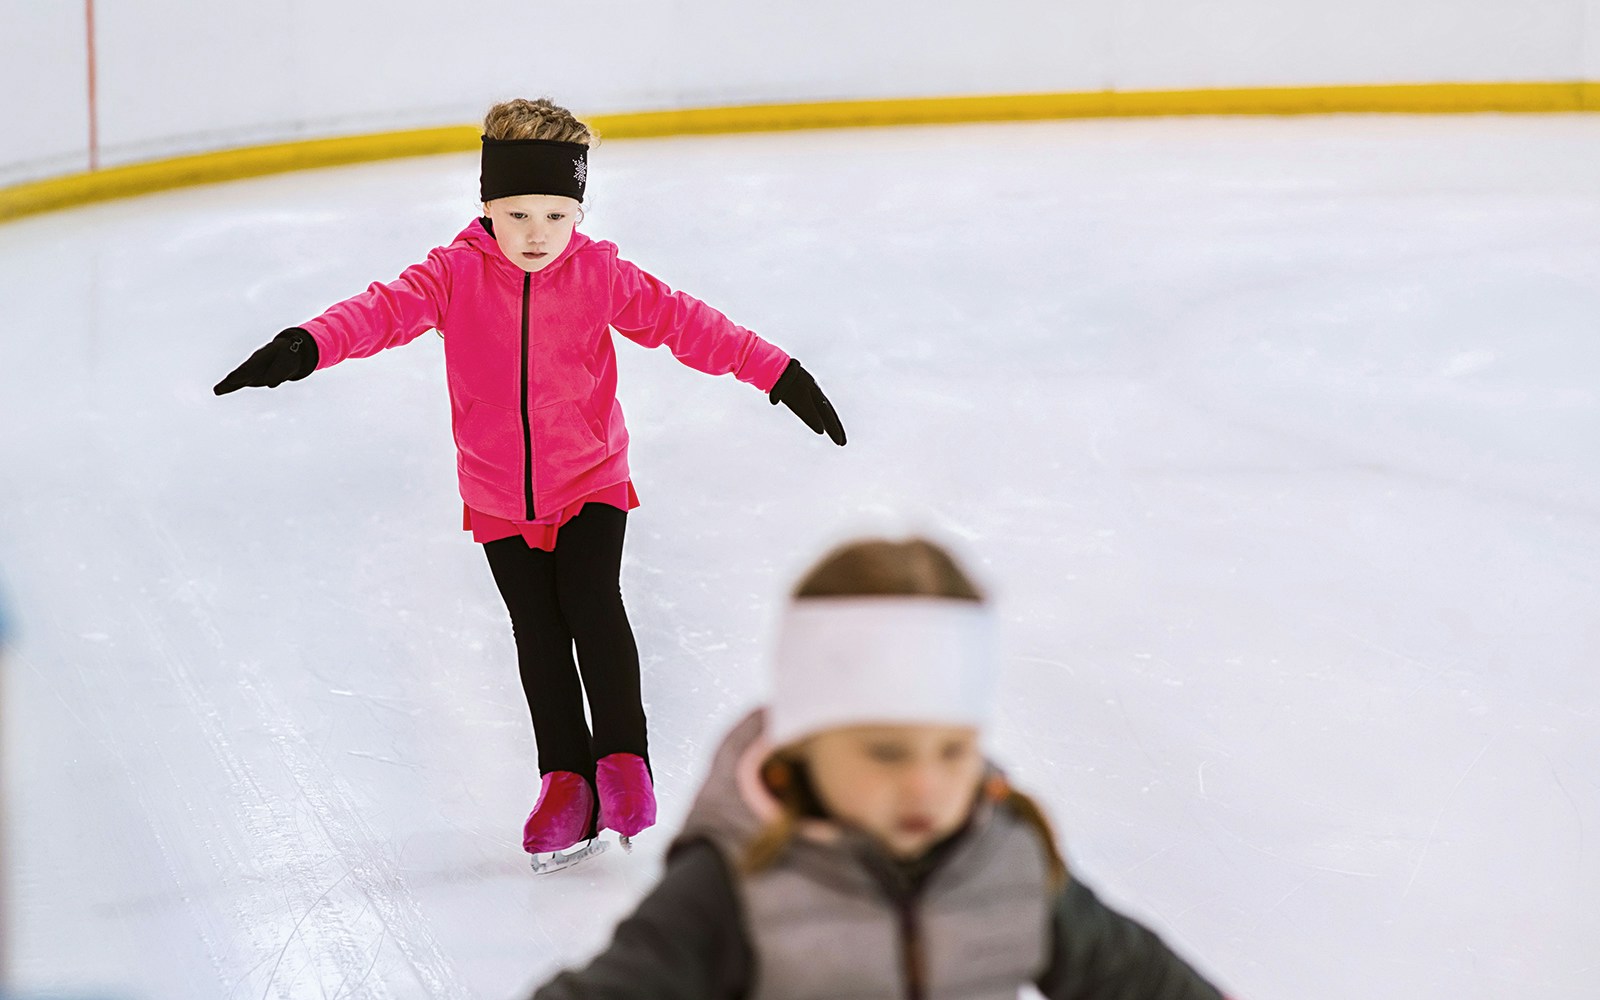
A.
pixel 911 948
pixel 527 428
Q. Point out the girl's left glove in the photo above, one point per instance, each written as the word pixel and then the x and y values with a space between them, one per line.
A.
pixel 797 390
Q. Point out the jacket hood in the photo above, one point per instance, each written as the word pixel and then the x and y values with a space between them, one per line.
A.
pixel 733 805
pixel 478 237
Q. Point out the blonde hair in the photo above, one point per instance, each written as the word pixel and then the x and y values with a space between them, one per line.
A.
pixel 537 119
pixel 879 567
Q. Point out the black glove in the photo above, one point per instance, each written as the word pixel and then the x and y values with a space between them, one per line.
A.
pixel 797 390
pixel 289 357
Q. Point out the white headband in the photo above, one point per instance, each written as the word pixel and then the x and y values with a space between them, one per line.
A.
pixel 862 660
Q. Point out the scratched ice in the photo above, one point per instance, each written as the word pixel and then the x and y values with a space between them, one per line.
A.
pixel 1278 441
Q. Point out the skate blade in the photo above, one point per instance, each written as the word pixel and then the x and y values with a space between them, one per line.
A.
pixel 553 861
pixel 626 844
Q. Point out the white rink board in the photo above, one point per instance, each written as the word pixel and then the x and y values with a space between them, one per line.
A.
pixel 177 77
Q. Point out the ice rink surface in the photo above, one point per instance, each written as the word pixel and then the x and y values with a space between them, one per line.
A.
pixel 1278 442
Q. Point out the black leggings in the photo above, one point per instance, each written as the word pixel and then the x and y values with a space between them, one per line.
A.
pixel 572 595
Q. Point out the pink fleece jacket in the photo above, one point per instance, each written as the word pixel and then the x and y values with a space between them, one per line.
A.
pixel 531 365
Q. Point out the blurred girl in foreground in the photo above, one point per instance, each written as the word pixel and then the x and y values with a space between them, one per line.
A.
pixel 852 840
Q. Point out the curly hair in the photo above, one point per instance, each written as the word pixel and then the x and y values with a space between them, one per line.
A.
pixel 538 119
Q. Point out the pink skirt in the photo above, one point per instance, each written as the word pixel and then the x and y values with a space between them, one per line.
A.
pixel 541 533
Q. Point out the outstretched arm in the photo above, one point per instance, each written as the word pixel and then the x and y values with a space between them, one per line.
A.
pixel 684 942
pixel 1099 954
pixel 647 312
pixel 385 315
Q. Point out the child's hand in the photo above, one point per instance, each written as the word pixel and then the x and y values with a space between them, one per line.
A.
pixel 290 356
pixel 797 390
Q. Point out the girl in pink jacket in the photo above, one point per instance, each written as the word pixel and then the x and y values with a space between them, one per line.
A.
pixel 526 306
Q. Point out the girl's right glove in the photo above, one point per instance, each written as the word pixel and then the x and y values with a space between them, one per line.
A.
pixel 288 357
pixel 797 390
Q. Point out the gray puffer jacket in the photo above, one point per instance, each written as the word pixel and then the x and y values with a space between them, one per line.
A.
pixel 835 917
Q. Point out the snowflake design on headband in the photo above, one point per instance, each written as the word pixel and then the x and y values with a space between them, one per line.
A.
pixel 580 170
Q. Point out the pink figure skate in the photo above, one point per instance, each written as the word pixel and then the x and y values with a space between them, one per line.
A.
pixel 560 819
pixel 627 798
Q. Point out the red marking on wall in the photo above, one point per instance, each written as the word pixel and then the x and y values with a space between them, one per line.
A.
pixel 94 109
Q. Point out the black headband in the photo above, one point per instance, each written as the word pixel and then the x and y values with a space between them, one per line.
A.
pixel 533 166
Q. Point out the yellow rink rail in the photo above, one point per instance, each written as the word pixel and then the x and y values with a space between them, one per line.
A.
pixel 255 161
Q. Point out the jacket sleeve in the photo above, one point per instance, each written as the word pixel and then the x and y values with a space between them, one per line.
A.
pixel 1099 954
pixel 385 315
pixel 684 942
pixel 647 312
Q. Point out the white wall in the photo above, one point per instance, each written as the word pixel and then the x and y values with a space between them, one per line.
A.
pixel 178 76
pixel 1590 40
pixel 44 121
pixel 1174 43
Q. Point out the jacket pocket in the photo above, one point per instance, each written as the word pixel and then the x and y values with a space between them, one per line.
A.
pixel 565 440
pixel 489 443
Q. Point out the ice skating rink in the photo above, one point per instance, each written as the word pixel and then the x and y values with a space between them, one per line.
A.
pixel 1278 441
